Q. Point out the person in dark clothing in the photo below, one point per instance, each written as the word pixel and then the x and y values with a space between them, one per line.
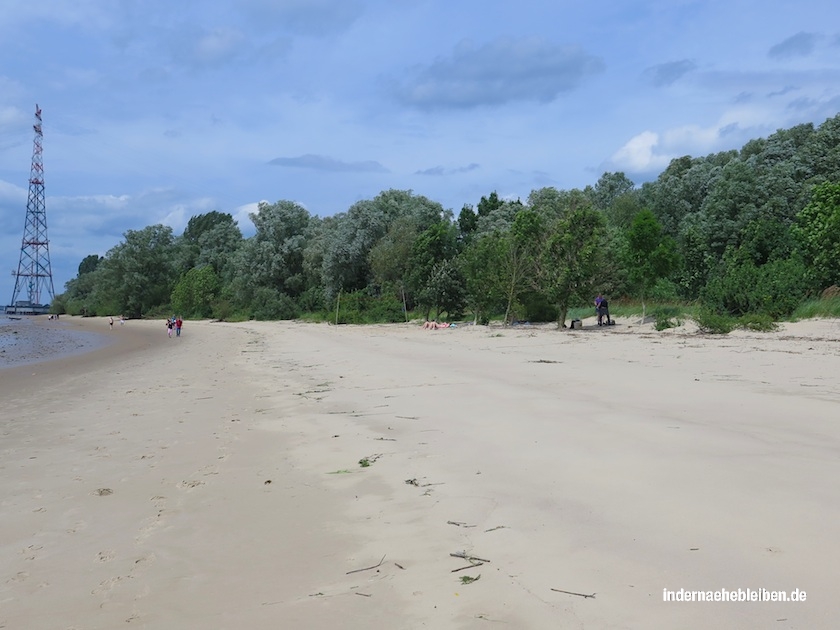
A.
pixel 602 308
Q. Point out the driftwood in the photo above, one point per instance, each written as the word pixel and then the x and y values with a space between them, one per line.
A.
pixel 467 557
pixel 375 566
pixel 469 566
pixel 557 590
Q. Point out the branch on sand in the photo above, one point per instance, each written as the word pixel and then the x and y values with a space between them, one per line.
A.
pixel 557 590
pixel 375 566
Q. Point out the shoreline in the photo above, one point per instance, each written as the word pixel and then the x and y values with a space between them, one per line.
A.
pixel 616 464
pixel 25 340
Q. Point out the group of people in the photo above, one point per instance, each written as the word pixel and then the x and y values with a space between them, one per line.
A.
pixel 602 309
pixel 174 323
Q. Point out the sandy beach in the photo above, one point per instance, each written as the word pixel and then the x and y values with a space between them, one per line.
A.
pixel 289 475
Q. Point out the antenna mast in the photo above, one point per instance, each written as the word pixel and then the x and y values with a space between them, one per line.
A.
pixel 34 273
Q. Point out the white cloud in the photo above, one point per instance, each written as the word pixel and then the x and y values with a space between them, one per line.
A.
pixel 640 154
pixel 242 218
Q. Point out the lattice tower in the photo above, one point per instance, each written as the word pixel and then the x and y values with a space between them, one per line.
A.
pixel 34 272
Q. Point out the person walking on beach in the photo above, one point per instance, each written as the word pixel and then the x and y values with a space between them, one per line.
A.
pixel 178 323
pixel 169 328
pixel 111 323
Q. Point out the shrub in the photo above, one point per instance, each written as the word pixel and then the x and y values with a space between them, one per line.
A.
pixel 826 307
pixel 714 323
pixel 758 322
pixel 741 287
pixel 667 317
pixel 312 300
pixel 360 307
pixel 270 305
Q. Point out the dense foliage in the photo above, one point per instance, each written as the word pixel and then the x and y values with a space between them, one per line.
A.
pixel 749 232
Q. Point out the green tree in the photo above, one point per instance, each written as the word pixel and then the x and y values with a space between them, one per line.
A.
pixel 444 289
pixel 489 204
pixel 481 267
pixel 433 246
pixel 390 257
pixel 77 297
pixel 817 230
pixel 211 239
pixel 137 275
pixel 89 264
pixel 609 188
pixel 568 265
pixel 740 287
pixel 195 292
pixel 350 237
pixel 651 255
pixel 270 264
pixel 467 222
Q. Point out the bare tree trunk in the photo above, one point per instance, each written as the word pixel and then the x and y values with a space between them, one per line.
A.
pixel 337 303
pixel 561 316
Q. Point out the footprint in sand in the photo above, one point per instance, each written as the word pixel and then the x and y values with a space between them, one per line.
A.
pixel 20 576
pixel 105 586
pixel 152 523
pixel 189 485
pixel 141 564
pixel 79 526
pixel 106 556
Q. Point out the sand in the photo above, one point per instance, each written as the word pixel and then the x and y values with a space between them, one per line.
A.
pixel 214 481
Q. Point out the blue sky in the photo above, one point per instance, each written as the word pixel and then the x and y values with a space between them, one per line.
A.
pixel 156 111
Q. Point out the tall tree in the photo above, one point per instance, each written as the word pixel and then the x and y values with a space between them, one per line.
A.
pixel 481 267
pixel 138 274
pixel 349 239
pixel 271 263
pixel 210 239
pixel 433 246
pixel 568 265
pixel 195 292
pixel 650 253
pixel 818 231
pixel 609 188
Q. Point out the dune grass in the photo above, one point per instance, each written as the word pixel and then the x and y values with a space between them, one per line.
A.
pixel 825 307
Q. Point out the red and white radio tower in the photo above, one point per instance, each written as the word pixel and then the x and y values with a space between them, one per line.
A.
pixel 34 273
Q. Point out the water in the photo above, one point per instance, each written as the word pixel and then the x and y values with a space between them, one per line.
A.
pixel 25 340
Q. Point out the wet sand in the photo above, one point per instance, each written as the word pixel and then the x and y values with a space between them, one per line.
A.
pixel 27 339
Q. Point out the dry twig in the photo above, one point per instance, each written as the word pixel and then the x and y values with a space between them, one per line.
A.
pixel 557 590
pixel 375 566
pixel 468 558
pixel 469 566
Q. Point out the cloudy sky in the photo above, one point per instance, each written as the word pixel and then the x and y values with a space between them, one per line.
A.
pixel 155 111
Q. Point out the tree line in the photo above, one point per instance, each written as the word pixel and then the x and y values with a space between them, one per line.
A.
pixel 750 231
